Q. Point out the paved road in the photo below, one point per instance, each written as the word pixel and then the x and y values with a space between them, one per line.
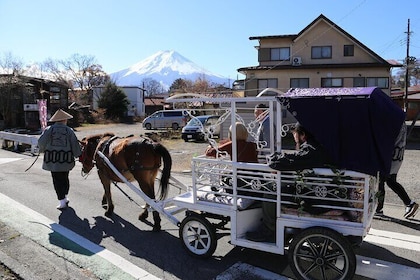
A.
pixel 39 242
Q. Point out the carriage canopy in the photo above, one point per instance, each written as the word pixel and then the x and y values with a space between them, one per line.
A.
pixel 357 126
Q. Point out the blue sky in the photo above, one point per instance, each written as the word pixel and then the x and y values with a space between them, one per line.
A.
pixel 213 34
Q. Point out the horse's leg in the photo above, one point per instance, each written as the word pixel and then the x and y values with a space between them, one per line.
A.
pixel 146 180
pixel 107 198
pixel 151 187
pixel 143 216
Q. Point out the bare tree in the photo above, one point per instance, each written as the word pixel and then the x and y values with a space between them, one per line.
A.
pixel 11 86
pixel 11 64
pixel 152 86
pixel 81 71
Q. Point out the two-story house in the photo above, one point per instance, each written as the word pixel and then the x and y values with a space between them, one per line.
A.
pixel 321 55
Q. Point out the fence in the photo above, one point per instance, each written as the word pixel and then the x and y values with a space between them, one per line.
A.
pixel 17 139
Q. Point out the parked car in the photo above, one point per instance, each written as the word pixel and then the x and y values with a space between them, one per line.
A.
pixel 174 119
pixel 194 128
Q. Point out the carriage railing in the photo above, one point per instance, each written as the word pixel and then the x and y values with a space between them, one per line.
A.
pixel 348 196
pixel 231 110
pixel 345 196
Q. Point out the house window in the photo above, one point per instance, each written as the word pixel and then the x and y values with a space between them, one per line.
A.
pixel 267 83
pixel 299 82
pixel 377 82
pixel 348 50
pixel 321 52
pixel 359 82
pixel 280 54
pixel 331 82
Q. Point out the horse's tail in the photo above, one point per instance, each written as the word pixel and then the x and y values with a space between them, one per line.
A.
pixel 166 172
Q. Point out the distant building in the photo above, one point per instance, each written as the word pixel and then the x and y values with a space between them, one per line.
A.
pixel 22 93
pixel 320 55
pixel 135 96
pixel 413 101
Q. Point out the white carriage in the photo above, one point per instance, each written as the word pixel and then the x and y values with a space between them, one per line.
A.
pixel 319 246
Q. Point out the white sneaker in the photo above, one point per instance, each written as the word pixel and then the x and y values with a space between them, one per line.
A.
pixel 410 210
pixel 62 205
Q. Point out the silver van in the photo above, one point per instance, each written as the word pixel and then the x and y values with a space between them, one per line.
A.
pixel 174 119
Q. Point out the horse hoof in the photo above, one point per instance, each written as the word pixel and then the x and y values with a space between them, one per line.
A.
pixel 156 229
pixel 143 217
pixel 105 206
pixel 109 215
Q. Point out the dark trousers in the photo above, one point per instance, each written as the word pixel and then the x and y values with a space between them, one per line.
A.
pixel 391 181
pixel 61 183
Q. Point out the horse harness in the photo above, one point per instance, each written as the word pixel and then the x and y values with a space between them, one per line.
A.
pixel 136 165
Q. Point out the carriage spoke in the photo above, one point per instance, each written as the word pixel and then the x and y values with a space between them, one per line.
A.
pixel 310 268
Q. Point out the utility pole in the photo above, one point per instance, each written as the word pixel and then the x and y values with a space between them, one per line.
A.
pixel 407 58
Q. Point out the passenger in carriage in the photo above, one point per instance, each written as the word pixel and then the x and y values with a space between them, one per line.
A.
pixel 309 154
pixel 246 151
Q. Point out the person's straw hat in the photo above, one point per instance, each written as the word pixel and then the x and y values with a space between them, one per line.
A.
pixel 60 115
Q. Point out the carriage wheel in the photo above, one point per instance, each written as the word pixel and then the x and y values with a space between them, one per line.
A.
pixel 198 236
pixel 321 253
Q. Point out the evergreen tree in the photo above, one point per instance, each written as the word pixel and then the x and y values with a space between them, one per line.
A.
pixel 114 101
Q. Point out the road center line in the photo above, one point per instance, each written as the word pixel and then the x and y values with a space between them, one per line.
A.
pixel 393 239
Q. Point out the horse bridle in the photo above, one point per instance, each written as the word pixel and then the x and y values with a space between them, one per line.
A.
pixel 84 158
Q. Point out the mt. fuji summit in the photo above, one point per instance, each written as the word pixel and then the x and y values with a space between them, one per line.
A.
pixel 165 67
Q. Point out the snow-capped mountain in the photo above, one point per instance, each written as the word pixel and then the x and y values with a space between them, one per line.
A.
pixel 165 67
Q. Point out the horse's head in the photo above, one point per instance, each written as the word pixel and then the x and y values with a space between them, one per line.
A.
pixel 89 145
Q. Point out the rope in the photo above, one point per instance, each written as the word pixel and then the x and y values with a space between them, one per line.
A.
pixel 129 198
pixel 33 162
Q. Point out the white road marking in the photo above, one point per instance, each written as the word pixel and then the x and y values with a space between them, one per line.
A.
pixel 393 239
pixel 367 267
pixel 378 269
pixel 29 223
pixel 6 160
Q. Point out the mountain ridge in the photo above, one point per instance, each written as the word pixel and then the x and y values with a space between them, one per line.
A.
pixel 165 67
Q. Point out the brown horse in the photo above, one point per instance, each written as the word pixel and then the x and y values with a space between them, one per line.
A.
pixel 135 158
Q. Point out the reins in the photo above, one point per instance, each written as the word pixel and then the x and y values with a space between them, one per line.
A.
pixel 124 193
pixel 37 156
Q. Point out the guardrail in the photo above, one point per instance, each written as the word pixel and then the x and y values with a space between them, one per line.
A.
pixel 19 139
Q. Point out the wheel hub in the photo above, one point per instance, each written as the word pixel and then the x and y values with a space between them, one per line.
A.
pixel 320 261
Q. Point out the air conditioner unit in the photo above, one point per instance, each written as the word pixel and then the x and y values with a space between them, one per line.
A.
pixel 297 61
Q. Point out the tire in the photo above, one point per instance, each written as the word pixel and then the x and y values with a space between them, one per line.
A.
pixel 148 126
pixel 309 258
pixel 175 126
pixel 198 236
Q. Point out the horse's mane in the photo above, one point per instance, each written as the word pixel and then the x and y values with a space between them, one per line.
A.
pixel 101 135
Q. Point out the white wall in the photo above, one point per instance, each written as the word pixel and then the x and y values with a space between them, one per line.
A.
pixel 134 96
